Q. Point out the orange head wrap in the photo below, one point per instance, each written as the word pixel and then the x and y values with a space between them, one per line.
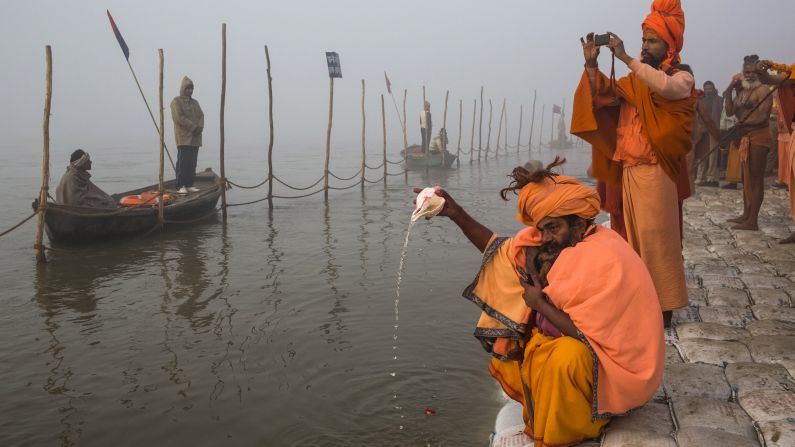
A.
pixel 667 19
pixel 556 197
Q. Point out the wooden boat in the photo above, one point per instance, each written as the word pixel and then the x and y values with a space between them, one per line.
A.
pixel 75 224
pixel 417 160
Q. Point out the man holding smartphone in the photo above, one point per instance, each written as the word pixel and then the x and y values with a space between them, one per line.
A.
pixel 639 127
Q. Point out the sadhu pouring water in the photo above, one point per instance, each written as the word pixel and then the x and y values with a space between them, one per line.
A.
pixel 570 312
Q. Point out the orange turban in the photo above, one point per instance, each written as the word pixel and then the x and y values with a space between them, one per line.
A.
pixel 667 19
pixel 556 197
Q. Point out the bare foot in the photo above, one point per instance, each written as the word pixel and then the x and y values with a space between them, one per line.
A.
pixel 740 219
pixel 746 226
pixel 789 240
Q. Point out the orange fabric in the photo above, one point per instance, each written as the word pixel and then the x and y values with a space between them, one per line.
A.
pixel 612 202
pixel 556 197
pixel 559 375
pixel 792 177
pixel 733 167
pixel 666 124
pixel 759 137
pixel 606 290
pixel 667 19
pixel 651 215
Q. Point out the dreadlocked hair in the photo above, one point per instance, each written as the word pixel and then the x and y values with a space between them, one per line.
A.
pixel 751 59
pixel 520 177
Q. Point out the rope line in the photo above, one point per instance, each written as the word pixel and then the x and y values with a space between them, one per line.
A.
pixel 346 187
pixel 374 167
pixel 296 188
pixel 373 181
pixel 171 221
pixel 394 162
pixel 397 173
pixel 19 224
pixel 247 187
pixel 347 178
pixel 298 197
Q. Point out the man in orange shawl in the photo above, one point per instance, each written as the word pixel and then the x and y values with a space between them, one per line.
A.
pixel 639 127
pixel 785 80
pixel 565 311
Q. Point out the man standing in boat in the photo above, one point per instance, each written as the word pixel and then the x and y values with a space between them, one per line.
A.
pixel 426 127
pixel 188 126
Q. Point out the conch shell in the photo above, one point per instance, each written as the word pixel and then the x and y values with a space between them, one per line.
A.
pixel 428 204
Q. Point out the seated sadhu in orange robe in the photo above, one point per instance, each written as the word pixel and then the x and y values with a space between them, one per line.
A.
pixel 639 127
pixel 580 345
pixel 785 80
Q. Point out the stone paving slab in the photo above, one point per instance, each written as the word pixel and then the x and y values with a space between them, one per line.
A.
pixel 654 417
pixel 636 438
pixel 770 327
pixel 716 352
pixel 778 433
pixel 771 297
pixel 705 437
pixel 771 348
pixel 727 296
pixel 758 281
pixel 728 315
pixel 697 297
pixel 765 312
pixel 768 405
pixel 685 315
pixel 712 331
pixel 713 413
pixel 672 355
pixel 696 380
pixel 709 280
pixel 747 377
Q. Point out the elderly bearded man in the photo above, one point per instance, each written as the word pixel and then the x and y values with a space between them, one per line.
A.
pixel 570 313
pixel 752 107
pixel 639 127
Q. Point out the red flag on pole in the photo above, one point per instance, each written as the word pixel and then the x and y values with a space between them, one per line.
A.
pixel 556 109
pixel 120 39
pixel 388 84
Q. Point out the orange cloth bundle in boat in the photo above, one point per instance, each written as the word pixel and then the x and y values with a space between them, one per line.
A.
pixel 145 198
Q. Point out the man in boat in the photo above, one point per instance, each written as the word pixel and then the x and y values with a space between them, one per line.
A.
pixel 784 79
pixel 439 142
pixel 188 126
pixel 639 127
pixel 426 127
pixel 76 187
pixel 752 106
pixel 570 312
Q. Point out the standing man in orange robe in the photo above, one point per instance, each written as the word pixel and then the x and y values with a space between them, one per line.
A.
pixel 639 127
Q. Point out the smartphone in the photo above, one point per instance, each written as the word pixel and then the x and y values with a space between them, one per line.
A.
pixel 601 40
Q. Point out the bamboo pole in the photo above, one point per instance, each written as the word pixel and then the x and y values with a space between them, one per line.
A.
pixel 532 124
pixel 488 136
pixel 405 139
pixel 383 123
pixel 460 125
pixel 160 187
pixel 328 136
pixel 519 138
pixel 472 139
pixel 427 131
pixel 505 123
pixel 444 126
pixel 41 256
pixel 541 127
pixel 480 126
pixel 223 106
pixel 270 122
pixel 499 129
pixel 364 151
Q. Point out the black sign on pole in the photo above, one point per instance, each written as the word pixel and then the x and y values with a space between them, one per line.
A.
pixel 333 61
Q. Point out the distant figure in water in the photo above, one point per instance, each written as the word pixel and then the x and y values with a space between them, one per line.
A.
pixel 76 188
pixel 188 126
pixel 570 312
pixel 439 142
pixel 426 126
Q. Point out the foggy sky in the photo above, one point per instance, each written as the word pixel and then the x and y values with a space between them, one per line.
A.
pixel 510 47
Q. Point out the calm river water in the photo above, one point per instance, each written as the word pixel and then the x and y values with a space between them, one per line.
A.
pixel 273 329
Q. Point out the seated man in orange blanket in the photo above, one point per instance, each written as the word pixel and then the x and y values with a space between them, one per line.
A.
pixel 570 312
pixel 752 107
pixel 639 127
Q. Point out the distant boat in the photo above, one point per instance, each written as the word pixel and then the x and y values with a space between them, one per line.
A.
pixel 76 224
pixel 417 160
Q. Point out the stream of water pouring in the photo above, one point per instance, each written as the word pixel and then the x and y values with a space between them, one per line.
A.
pixel 397 317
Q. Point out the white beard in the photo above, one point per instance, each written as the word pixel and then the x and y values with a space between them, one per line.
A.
pixel 750 85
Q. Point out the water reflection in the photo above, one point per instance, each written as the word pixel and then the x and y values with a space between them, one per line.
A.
pixel 331 271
